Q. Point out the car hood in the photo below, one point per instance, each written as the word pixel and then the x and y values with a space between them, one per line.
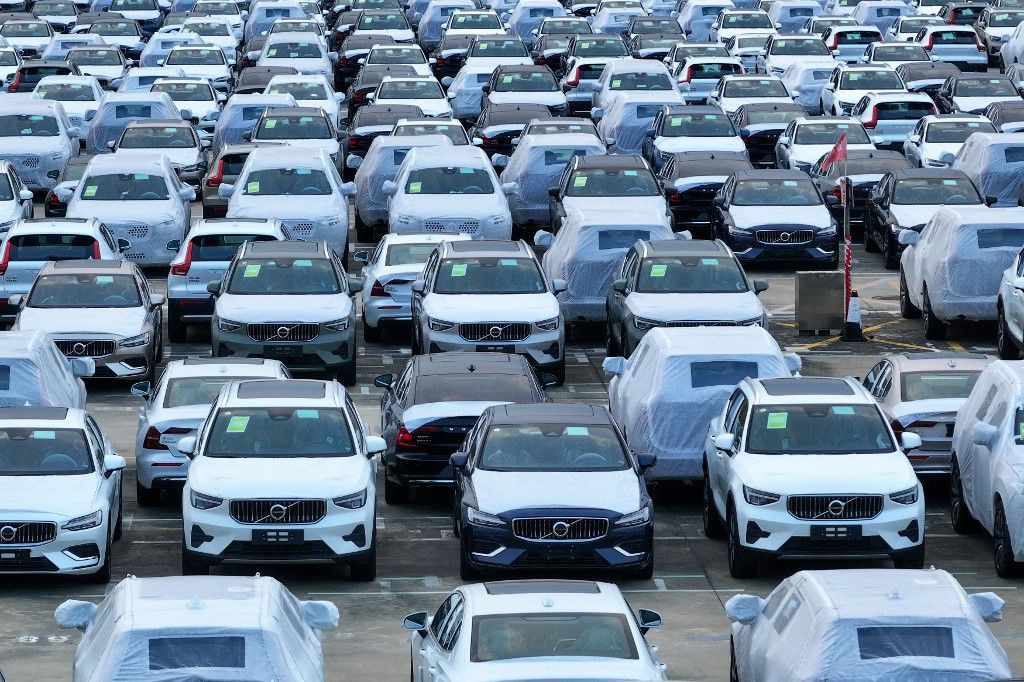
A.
pixel 672 145
pixel 978 104
pixel 284 308
pixel 431 205
pixel 147 212
pixel 495 62
pixel 281 206
pixel 67 496
pixel 810 153
pixel 912 410
pixel 778 61
pixel 853 96
pixel 31 145
pixel 104 322
pixel 935 150
pixel 911 215
pixel 178 157
pixel 292 477
pixel 833 474
pixel 484 308
pixel 561 668
pixel 745 216
pixel 731 104
pixel 598 205
pixel 501 491
pixel 424 413
pixel 669 307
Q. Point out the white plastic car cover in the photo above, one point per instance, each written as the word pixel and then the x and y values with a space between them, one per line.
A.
pixel 159 46
pixel 240 114
pixel 963 261
pixel 627 120
pixel 995 162
pixel 535 167
pixel 528 15
pixel 381 164
pixel 864 625
pixel 696 18
pixel 808 79
pixel 466 92
pixel 34 372
pixel 881 13
pixel 60 45
pixel 431 26
pixel 34 157
pixel 615 20
pixel 182 629
pixel 587 252
pixel 665 399
pixel 117 110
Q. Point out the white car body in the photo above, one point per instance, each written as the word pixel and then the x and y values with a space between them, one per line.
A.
pixel 219 74
pixel 926 154
pixel 415 57
pixel 275 53
pixel 840 95
pixel 223 36
pixel 437 107
pixel 721 33
pixel 905 29
pixel 33 156
pixel 791 154
pixel 279 85
pixel 729 104
pixel 76 110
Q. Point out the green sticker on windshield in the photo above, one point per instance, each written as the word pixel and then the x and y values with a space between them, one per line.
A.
pixel 629 173
pixel 676 121
pixel 44 435
pixel 842 409
pixel 949 183
pixel 303 171
pixel 1021 434
pixel 90 191
pixel 252 187
pixel 579 181
pixel 658 270
pixel 415 187
pixel 616 83
pixel 104 279
pixel 272 52
pixel 238 424
pixel 303 263
pixel 459 270
pixel 140 176
pixel 778 420
pixel 466 171
pixel 508 261
pixel 252 271
pixel 789 183
pixel 709 261
pixel 506 79
pixel 483 46
pixel 271 123
pixel 577 431
pixel 307 414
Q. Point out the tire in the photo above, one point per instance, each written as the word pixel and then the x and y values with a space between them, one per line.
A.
pixel 870 245
pixel 934 328
pixel 1007 345
pixel 177 331
pixel 372 334
pixel 742 563
pixel 612 348
pixel 890 253
pixel 466 571
pixel 647 571
pixel 1002 547
pixel 415 350
pixel 190 565
pixel 559 372
pixel 119 524
pixel 959 515
pixel 908 310
pixel 146 497
pixel 713 526
pixel 347 373
pixel 364 232
pixel 365 570
pixel 395 493
pixel 911 558
pixel 102 576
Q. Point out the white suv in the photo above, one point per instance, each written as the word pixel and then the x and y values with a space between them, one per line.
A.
pixel 283 471
pixel 808 467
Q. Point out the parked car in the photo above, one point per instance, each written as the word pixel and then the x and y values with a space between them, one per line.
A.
pixel 760 125
pixel 958 45
pixel 861 172
pixel 806 139
pixel 690 182
pixel 973 93
pixel 46 376
pixel 606 183
pixel 935 139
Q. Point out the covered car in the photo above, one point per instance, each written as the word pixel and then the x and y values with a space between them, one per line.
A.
pixel 880 13
pixel 676 381
pixel 865 625
pixel 117 110
pixel 535 167
pixel 528 15
pixel 623 127
pixel 466 91
pixel 37 138
pixel 587 252
pixel 34 372
pixel 805 82
pixel 161 44
pixel 995 162
pixel 190 628
pixel 240 115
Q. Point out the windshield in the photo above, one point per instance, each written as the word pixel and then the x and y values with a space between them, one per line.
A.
pixel 915 25
pixel 755 87
pixel 530 635
pixel 8 58
pixel 934 191
pixel 600 48
pixel 937 385
pixel 56 9
pixel 280 127
pixel 84 290
pixel 21 125
pixel 557 128
pixel 870 80
pixel 114 28
pixel 553 447
pixel 698 125
pixel 817 430
pixel 383 22
pixel 43 452
pixel 208 28
pixel 278 276
pixel 900 53
pixel 185 92
pixel 465 22
pixel 294 51
pixel 985 87
pixel 640 81
pixel 124 187
pixel 829 133
pixel 295 26
pixel 955 132
pixel 755 116
pixel 526 81
pixel 83 56
pixel 47 247
pixel 408 254
pixel 691 275
pixel 279 432
pixel 195 57
pixel 601 182
pixel 409 89
pixel 455 133
pixel 287 182
pixel 66 92
pixel 1005 19
pixel 499 48
pixel 513 388
pixel 396 55
pixel 489 276
pixel 746 20
pixel 773 192
pixel 300 91
pixel 148 137
pixel 449 180
pixel 6 191
pixel 24 29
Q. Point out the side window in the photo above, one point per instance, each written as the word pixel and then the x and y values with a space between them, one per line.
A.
pixel 452 628
pixel 986 403
pixel 428 270
pixel 774 602
pixel 442 614
pixel 997 415
pixel 109 238
pixel 631 274
pixel 741 421
pixel 884 381
pixel 731 410
pixel 872 376
pixel 1020 265
pixel 92 434
pixel 785 615
pixel 630 257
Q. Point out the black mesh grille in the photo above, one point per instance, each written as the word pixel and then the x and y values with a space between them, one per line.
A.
pixel 85 348
pixel 784 236
pixel 823 507
pixel 283 331
pixel 495 331
pixel 26 532
pixel 278 511
pixel 555 529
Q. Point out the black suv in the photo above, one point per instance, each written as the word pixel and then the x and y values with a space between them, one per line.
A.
pixel 761 124
pixel 863 169
pixel 498 128
pixel 371 122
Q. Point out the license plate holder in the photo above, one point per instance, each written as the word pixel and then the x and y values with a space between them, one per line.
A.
pixel 285 351
pixel 284 536
pixel 837 532
pixel 15 554
pixel 496 348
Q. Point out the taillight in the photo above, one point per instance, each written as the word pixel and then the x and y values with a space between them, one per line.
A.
pixel 951 17
pixel 874 119
pixel 53 200
pixel 539 60
pixel 343 61
pixel 930 44
pixel 359 96
pixel 13 87
pixel 404 439
pixel 485 140
pixel 5 259
pixel 575 80
pixel 182 268
pixel 439 60
pixel 218 177
pixel 152 439
pixel 96 250
pixel 837 192
pixel 353 142
pixel 675 198
pixel 377 289
pixel 835 42
pixel 687 75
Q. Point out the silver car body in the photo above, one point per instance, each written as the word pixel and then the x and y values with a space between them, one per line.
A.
pixel 281 49
pixel 965 54
pixel 843 90
pixel 19 205
pixel 696 90
pixel 141 78
pixel 34 156
pixel 792 152
pixel 219 73
pixel 294 85
pixel 63 88
pixel 381 163
pixel 849 52
pixel 921 151
pixel 723 99
pixel 905 29
pixel 891 131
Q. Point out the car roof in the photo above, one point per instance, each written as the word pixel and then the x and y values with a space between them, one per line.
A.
pixel 910 362
pixel 208 226
pixel 550 596
pixel 273 391
pixel 612 161
pixel 465 363
pixel 875 154
pixel 772 173
pixel 928 173
pixel 285 248
pixel 700 164
pixel 296 111
pixel 228 603
pixel 855 594
pixel 548 413
pixel 204 367
pixel 38 413
pixel 54 226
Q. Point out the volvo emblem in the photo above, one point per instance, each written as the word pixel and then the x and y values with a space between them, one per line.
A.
pixel 78 348
pixel 277 512
pixel 495 332
pixel 836 507
pixel 560 529
pixel 784 237
pixel 8 533
pixel 282 332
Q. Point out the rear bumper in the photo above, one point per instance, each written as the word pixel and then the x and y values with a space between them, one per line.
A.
pixel 418 468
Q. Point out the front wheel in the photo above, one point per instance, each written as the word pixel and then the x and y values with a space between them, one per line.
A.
pixel 1002 547
pixel 347 373
pixel 742 562
pixel 1007 345
pixel 365 570
pixel 713 526
pixel 959 515
pixel 910 558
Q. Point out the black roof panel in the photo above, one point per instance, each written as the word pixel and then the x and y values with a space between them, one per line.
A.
pixel 792 386
pixel 506 587
pixel 283 388
pixel 544 413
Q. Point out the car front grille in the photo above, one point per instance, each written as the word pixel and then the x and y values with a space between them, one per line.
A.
pixel 784 236
pixel 495 331
pixel 283 331
pixel 278 511
pixel 824 507
pixel 85 348
pixel 558 528
pixel 703 323
pixel 464 226
pixel 26 532
pixel 26 161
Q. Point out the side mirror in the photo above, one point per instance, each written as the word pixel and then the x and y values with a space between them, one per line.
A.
pixel 597 113
pixel 500 161
pixel 991 200
pixel 910 440
pixel 914 139
pixel 543 239
pixel 75 614
pixel 719 200
pixel 225 190
pixel 384 381
pixel 760 285
pixel 646 461
pixel 64 194
pixel 547 379
pixel 348 188
pixel 25 195
pixel 559 285
pixel 983 434
pixel 123 245
pixel 111 144
pixel 141 389
pixel 83 367
pixel 213 288
pixel 619 285
pixel 187 446
pixel 173 245
pixel 553 192
pixel 418 286
pixel 615 366
pixel 351 161
pixel 947 157
pixel 320 615
pixel 390 188
pixel 652 133
pixel 486 89
pixel 714 26
pixel 375 445
pixel 459 460
pixel 156 300
pixel 831 200
pixel 724 441
pixel 355 284
pixel 16 300
pixel 53 174
pixel 187 194
pixel 908 237
pixel 783 140
pixel 247 135
pixel 90 114
pixel 744 608
pixel 415 622
pixel 989 605
pixel 648 619
pixel 112 463
pixel 361 257
pixel 447 81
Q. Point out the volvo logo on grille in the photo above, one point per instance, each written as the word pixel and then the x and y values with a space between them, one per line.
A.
pixel 78 348
pixel 282 332
pixel 495 332
pixel 8 533
pixel 784 236
pixel 560 529
pixel 277 512
pixel 836 507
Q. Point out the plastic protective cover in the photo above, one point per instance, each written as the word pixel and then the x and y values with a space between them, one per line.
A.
pixel 963 260
pixel 117 110
pixel 880 13
pixel 34 157
pixel 57 49
pixel 588 251
pixel 381 164
pixel 240 114
pixel 800 77
pixel 34 372
pixel 536 165
pixel 155 49
pixel 528 15
pixel 466 91
pixel 628 119
pixel 657 404
pixel 434 17
pixel 995 162
pixel 793 14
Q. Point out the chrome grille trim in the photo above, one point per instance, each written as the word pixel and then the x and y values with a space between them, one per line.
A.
pixel 484 331
pixel 272 331
pixel 780 236
pixel 27 532
pixel 86 348
pixel 260 512
pixel 543 528
pixel 702 323
pixel 816 507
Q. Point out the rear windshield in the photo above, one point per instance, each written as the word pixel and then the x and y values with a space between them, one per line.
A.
pixel 408 254
pixel 857 37
pixel 272 432
pixel 712 70
pixel 937 385
pixel 721 372
pixel 899 111
pixel 698 125
pixel 870 80
pixel 794 46
pixel 995 238
pixel 653 80
pixel 196 390
pixel 222 247
pixel 897 642
pixel 513 388
pixel 293 128
pixel 178 653
pixel 499 48
pixel 953 37
pixel 828 133
pixel 47 247
pixel 601 182
pixel 985 87
pixel 755 87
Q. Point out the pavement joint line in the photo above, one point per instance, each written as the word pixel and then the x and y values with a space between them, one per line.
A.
pixel 365 390
pixel 904 344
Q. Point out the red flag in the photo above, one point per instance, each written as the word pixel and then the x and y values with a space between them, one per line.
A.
pixel 838 153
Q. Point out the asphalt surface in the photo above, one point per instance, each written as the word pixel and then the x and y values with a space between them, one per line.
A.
pixel 417 553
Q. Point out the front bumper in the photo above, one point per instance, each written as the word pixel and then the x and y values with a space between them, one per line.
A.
pixel 123 363
pixel 748 249
pixel 329 350
pixel 70 552
pixel 541 348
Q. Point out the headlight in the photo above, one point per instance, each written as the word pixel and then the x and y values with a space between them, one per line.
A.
pixel 4 227
pixel 201 501
pixel 83 522
pixel 751 322
pixel 548 325
pixel 132 341
pixel 759 498
pixel 439 325
pixel 829 231
pixel 478 518
pixel 228 325
pixel 643 324
pixel 337 325
pixel 908 496
pixel 637 518
pixel 353 501
pixel 738 231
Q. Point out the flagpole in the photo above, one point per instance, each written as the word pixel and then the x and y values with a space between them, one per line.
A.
pixel 848 245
